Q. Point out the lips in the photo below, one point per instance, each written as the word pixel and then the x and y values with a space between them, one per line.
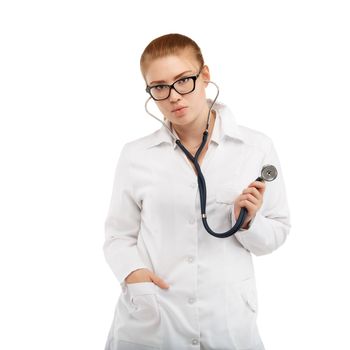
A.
pixel 177 109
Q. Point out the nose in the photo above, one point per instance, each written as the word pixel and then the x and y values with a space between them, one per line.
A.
pixel 174 95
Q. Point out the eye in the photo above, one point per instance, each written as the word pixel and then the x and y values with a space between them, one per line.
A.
pixel 159 87
pixel 183 81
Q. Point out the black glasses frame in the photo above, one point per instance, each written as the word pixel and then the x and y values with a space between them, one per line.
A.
pixel 171 86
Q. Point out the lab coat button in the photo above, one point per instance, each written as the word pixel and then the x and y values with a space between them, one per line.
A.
pixel 195 341
pixel 191 221
pixel 190 259
pixel 194 184
pixel 191 300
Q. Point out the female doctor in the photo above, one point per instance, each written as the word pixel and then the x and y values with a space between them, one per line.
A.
pixel 183 288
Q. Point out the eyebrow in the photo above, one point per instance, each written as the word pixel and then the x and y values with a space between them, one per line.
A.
pixel 177 76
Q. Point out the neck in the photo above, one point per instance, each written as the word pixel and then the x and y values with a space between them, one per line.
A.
pixel 192 134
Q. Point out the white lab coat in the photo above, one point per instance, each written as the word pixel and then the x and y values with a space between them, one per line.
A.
pixel 154 222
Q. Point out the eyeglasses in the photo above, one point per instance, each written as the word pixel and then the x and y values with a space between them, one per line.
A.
pixel 182 86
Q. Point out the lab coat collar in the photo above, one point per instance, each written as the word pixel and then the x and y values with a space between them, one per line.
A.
pixel 225 126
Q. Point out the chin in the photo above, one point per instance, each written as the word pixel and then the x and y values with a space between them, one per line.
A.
pixel 182 121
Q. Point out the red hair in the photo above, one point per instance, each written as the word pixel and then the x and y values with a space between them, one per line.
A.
pixel 169 44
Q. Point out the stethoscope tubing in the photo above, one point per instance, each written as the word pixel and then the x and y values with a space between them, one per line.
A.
pixel 203 193
pixel 201 181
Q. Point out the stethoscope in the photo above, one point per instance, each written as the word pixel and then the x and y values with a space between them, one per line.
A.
pixel 268 173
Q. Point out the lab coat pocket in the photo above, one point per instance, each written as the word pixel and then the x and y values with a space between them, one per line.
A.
pixel 242 312
pixel 141 327
pixel 227 193
pixel 143 301
pixel 248 293
pixel 225 196
pixel 125 345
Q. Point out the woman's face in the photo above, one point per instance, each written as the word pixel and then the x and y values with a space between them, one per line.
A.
pixel 179 109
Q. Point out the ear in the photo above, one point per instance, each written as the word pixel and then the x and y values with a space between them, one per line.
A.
pixel 205 74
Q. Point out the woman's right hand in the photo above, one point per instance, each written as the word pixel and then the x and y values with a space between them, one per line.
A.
pixel 145 275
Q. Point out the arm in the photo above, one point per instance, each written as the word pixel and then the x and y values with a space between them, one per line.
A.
pixel 122 224
pixel 271 224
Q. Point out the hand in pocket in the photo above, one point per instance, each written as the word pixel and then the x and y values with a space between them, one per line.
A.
pixel 146 275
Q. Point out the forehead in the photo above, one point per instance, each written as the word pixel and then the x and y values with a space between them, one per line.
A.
pixel 168 67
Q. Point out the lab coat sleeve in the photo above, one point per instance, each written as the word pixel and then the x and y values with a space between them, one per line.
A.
pixel 270 227
pixel 123 223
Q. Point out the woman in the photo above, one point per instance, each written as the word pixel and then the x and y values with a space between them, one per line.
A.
pixel 183 288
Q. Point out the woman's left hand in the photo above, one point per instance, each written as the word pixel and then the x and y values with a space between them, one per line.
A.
pixel 251 198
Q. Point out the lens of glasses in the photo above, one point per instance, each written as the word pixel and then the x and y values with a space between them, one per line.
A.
pixel 182 86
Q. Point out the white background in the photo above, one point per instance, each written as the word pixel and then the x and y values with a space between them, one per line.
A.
pixel 71 95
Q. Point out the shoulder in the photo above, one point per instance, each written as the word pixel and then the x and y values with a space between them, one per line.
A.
pixel 254 137
pixel 250 137
pixel 139 145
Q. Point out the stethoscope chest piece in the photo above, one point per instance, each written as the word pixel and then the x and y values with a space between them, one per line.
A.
pixel 268 173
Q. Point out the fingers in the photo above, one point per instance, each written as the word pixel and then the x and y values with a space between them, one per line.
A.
pixel 251 198
pixel 145 275
pixel 251 210
pixel 159 282
pixel 252 190
pixel 251 207
pixel 257 188
pixel 259 185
